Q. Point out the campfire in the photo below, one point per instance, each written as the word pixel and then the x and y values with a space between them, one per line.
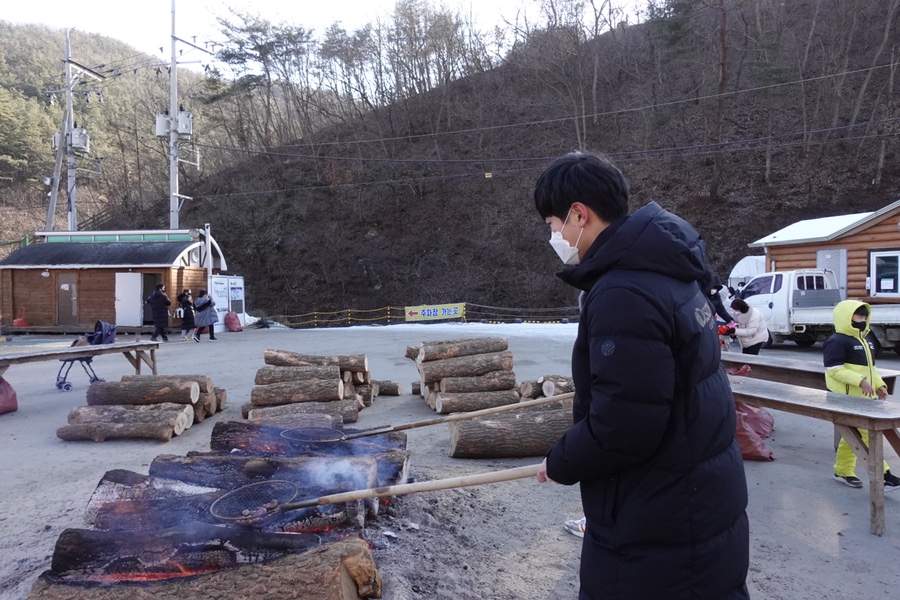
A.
pixel 160 529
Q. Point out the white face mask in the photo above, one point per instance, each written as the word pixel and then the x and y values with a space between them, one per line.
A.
pixel 564 250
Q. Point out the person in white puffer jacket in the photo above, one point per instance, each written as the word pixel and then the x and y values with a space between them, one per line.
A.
pixel 751 331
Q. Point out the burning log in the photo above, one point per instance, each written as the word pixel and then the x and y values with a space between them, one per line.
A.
pixel 143 390
pixel 341 570
pixel 296 421
pixel 348 410
pixel 343 473
pixel 388 388
pixel 308 390
pixel 181 415
pixel 100 432
pixel 469 401
pixel 255 436
pixel 476 364
pixel 115 556
pixel 283 358
pixel 529 432
pixel 455 348
pixel 268 375
pixel 489 382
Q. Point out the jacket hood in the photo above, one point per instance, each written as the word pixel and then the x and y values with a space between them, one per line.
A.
pixel 649 239
pixel 843 317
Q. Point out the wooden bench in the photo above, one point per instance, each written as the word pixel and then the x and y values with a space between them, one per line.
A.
pixel 848 413
pixel 136 353
pixel 792 371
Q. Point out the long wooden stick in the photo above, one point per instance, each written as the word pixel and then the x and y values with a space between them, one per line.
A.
pixel 420 486
pixel 460 416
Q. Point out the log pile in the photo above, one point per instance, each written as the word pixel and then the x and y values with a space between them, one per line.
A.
pixel 143 407
pixel 296 386
pixel 465 375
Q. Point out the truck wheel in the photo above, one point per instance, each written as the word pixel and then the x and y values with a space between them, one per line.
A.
pixel 768 343
pixel 805 342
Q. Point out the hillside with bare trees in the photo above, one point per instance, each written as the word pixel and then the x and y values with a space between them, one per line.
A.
pixel 394 164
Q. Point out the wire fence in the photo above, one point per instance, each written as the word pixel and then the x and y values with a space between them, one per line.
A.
pixel 392 315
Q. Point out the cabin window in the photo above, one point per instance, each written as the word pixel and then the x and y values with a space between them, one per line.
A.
pixel 884 274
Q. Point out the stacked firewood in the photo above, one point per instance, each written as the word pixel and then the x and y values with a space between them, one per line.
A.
pixel 143 407
pixel 304 386
pixel 465 375
pixel 546 386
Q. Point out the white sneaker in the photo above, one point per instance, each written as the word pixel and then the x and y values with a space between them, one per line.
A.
pixel 577 526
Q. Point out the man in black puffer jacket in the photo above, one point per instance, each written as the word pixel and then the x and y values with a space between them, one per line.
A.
pixel 652 445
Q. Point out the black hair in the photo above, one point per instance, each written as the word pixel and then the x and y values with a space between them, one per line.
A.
pixel 201 294
pixel 160 286
pixel 862 311
pixel 582 177
pixel 740 305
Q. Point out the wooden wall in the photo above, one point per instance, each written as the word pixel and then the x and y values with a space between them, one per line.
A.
pixel 882 236
pixel 25 288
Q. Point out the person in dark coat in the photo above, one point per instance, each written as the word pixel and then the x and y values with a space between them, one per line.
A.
pixel 186 302
pixel 653 441
pixel 159 305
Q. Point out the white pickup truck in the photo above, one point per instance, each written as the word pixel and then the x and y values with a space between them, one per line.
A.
pixel 799 306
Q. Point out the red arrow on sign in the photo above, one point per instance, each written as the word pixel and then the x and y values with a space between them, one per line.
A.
pixel 413 313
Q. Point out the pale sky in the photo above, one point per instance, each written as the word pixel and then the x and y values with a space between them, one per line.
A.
pixel 147 24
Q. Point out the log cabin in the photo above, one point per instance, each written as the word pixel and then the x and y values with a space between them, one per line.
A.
pixel 72 279
pixel 862 249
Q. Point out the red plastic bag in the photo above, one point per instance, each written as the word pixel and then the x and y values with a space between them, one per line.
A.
pixel 752 446
pixel 8 401
pixel 232 321
pixel 759 419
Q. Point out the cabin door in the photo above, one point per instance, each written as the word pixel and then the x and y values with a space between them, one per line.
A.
pixel 129 304
pixel 67 299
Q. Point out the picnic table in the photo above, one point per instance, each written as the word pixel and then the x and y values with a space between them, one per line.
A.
pixel 848 413
pixel 137 353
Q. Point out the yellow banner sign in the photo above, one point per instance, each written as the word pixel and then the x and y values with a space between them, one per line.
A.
pixel 432 312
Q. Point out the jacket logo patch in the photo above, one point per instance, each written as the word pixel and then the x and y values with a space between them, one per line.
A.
pixel 607 348
pixel 703 315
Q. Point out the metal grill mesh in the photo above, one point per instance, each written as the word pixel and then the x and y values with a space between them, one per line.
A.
pixel 254 501
pixel 313 434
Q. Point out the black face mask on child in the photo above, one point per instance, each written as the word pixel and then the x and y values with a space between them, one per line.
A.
pixel 860 325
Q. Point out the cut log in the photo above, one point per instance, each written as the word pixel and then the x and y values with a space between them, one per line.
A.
pixel 204 381
pixel 83 551
pixel 119 485
pixel 469 401
pixel 206 406
pixel 416 388
pixel 348 410
pixel 267 375
pixel 175 415
pixel 529 432
pixel 388 388
pixel 289 392
pixel 100 432
pixel 342 473
pixel 431 397
pixel 553 385
pixel 283 358
pixel 142 390
pixel 411 352
pixel 361 377
pixel 489 382
pixel 342 570
pixel 465 366
pixel 367 392
pixel 454 348
pixel 349 390
pixel 530 390
pixel 221 398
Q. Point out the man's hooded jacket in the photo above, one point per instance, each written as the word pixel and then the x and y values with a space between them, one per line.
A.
pixel 653 443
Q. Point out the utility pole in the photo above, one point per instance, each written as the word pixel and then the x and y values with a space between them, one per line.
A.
pixel 176 124
pixel 69 142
